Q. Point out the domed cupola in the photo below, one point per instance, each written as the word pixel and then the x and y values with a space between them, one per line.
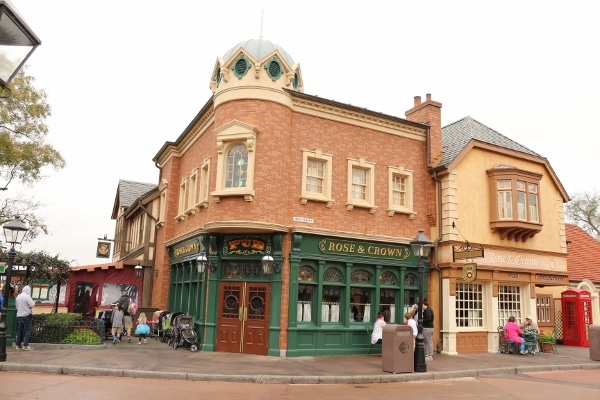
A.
pixel 254 69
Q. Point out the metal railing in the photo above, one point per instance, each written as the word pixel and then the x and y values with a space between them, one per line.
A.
pixel 86 332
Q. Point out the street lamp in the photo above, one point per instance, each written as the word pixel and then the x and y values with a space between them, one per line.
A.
pixel 17 43
pixel 14 232
pixel 269 265
pixel 138 271
pixel 202 263
pixel 421 246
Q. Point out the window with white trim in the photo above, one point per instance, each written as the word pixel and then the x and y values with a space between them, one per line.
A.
pixel 182 205
pixel 316 177
pixel 361 184
pixel 236 157
pixel 469 305
pixel 504 199
pixel 509 303
pixel 192 190
pixel 400 191
pixel 204 184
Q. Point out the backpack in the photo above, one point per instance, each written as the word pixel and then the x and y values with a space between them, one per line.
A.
pixel 124 303
pixel 132 307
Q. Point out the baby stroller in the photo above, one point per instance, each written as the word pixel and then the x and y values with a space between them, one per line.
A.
pixel 167 327
pixel 184 334
pixel 157 323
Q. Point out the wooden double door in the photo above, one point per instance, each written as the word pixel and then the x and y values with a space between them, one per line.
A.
pixel 243 317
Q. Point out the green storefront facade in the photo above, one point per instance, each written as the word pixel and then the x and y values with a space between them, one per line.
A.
pixel 334 289
pixel 337 288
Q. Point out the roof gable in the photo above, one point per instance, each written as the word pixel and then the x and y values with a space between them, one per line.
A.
pixel 583 261
pixel 457 135
pixel 128 192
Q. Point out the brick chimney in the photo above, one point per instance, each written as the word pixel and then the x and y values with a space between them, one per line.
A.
pixel 429 113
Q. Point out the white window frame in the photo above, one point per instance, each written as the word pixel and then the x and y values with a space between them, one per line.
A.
pixel 182 204
pixel 228 136
pixel 327 160
pixel 510 301
pixel 409 206
pixel 471 296
pixel 369 201
pixel 192 192
pixel 204 184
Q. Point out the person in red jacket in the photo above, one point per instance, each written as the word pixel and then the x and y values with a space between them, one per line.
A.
pixel 512 333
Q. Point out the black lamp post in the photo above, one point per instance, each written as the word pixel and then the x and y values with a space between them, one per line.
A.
pixel 14 232
pixel 421 246
pixel 17 43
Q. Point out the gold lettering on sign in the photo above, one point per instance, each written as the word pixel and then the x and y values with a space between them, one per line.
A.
pixel 187 248
pixel 353 248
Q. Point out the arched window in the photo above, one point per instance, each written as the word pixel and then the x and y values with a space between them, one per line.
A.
pixel 237 167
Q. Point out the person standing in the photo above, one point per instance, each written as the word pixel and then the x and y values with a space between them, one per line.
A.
pixel 116 320
pixel 124 302
pixel 377 334
pixel 142 328
pixel 413 324
pixel 24 304
pixel 428 318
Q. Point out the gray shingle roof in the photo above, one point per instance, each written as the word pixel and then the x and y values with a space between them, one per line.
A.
pixel 457 135
pixel 129 191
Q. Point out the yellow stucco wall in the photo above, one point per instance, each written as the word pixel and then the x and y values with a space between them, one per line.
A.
pixel 473 202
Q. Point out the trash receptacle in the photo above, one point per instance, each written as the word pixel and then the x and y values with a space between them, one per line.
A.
pixel 397 348
pixel 594 338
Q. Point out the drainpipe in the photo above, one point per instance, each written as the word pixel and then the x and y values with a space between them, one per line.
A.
pixel 436 265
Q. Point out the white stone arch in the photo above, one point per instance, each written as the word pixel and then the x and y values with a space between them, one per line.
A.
pixel 588 285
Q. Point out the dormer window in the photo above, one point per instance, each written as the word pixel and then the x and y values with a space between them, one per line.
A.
pixel 241 66
pixel 274 69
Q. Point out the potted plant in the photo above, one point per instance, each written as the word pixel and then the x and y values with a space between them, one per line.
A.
pixel 546 340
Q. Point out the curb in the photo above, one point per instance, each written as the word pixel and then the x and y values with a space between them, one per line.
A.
pixel 284 379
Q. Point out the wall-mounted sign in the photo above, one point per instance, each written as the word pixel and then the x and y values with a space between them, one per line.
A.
pixel 469 272
pixel 186 248
pixel 551 279
pixel 246 245
pixel 303 219
pixel 347 247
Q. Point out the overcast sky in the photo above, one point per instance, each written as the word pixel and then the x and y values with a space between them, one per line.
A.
pixel 123 77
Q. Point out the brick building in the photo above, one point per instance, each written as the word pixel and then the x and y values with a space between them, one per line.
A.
pixel 333 193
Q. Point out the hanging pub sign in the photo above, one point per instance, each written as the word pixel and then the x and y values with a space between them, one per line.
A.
pixel 103 250
pixel 466 252
pixel 469 272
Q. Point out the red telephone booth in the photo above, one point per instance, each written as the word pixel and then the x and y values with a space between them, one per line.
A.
pixel 576 317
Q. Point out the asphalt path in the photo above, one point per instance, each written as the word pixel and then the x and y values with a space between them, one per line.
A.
pixel 571 384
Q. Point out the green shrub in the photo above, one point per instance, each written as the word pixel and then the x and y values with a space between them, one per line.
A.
pixel 62 328
pixel 82 336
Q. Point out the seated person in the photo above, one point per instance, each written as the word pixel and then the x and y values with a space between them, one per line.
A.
pixel 377 334
pixel 530 328
pixel 511 334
